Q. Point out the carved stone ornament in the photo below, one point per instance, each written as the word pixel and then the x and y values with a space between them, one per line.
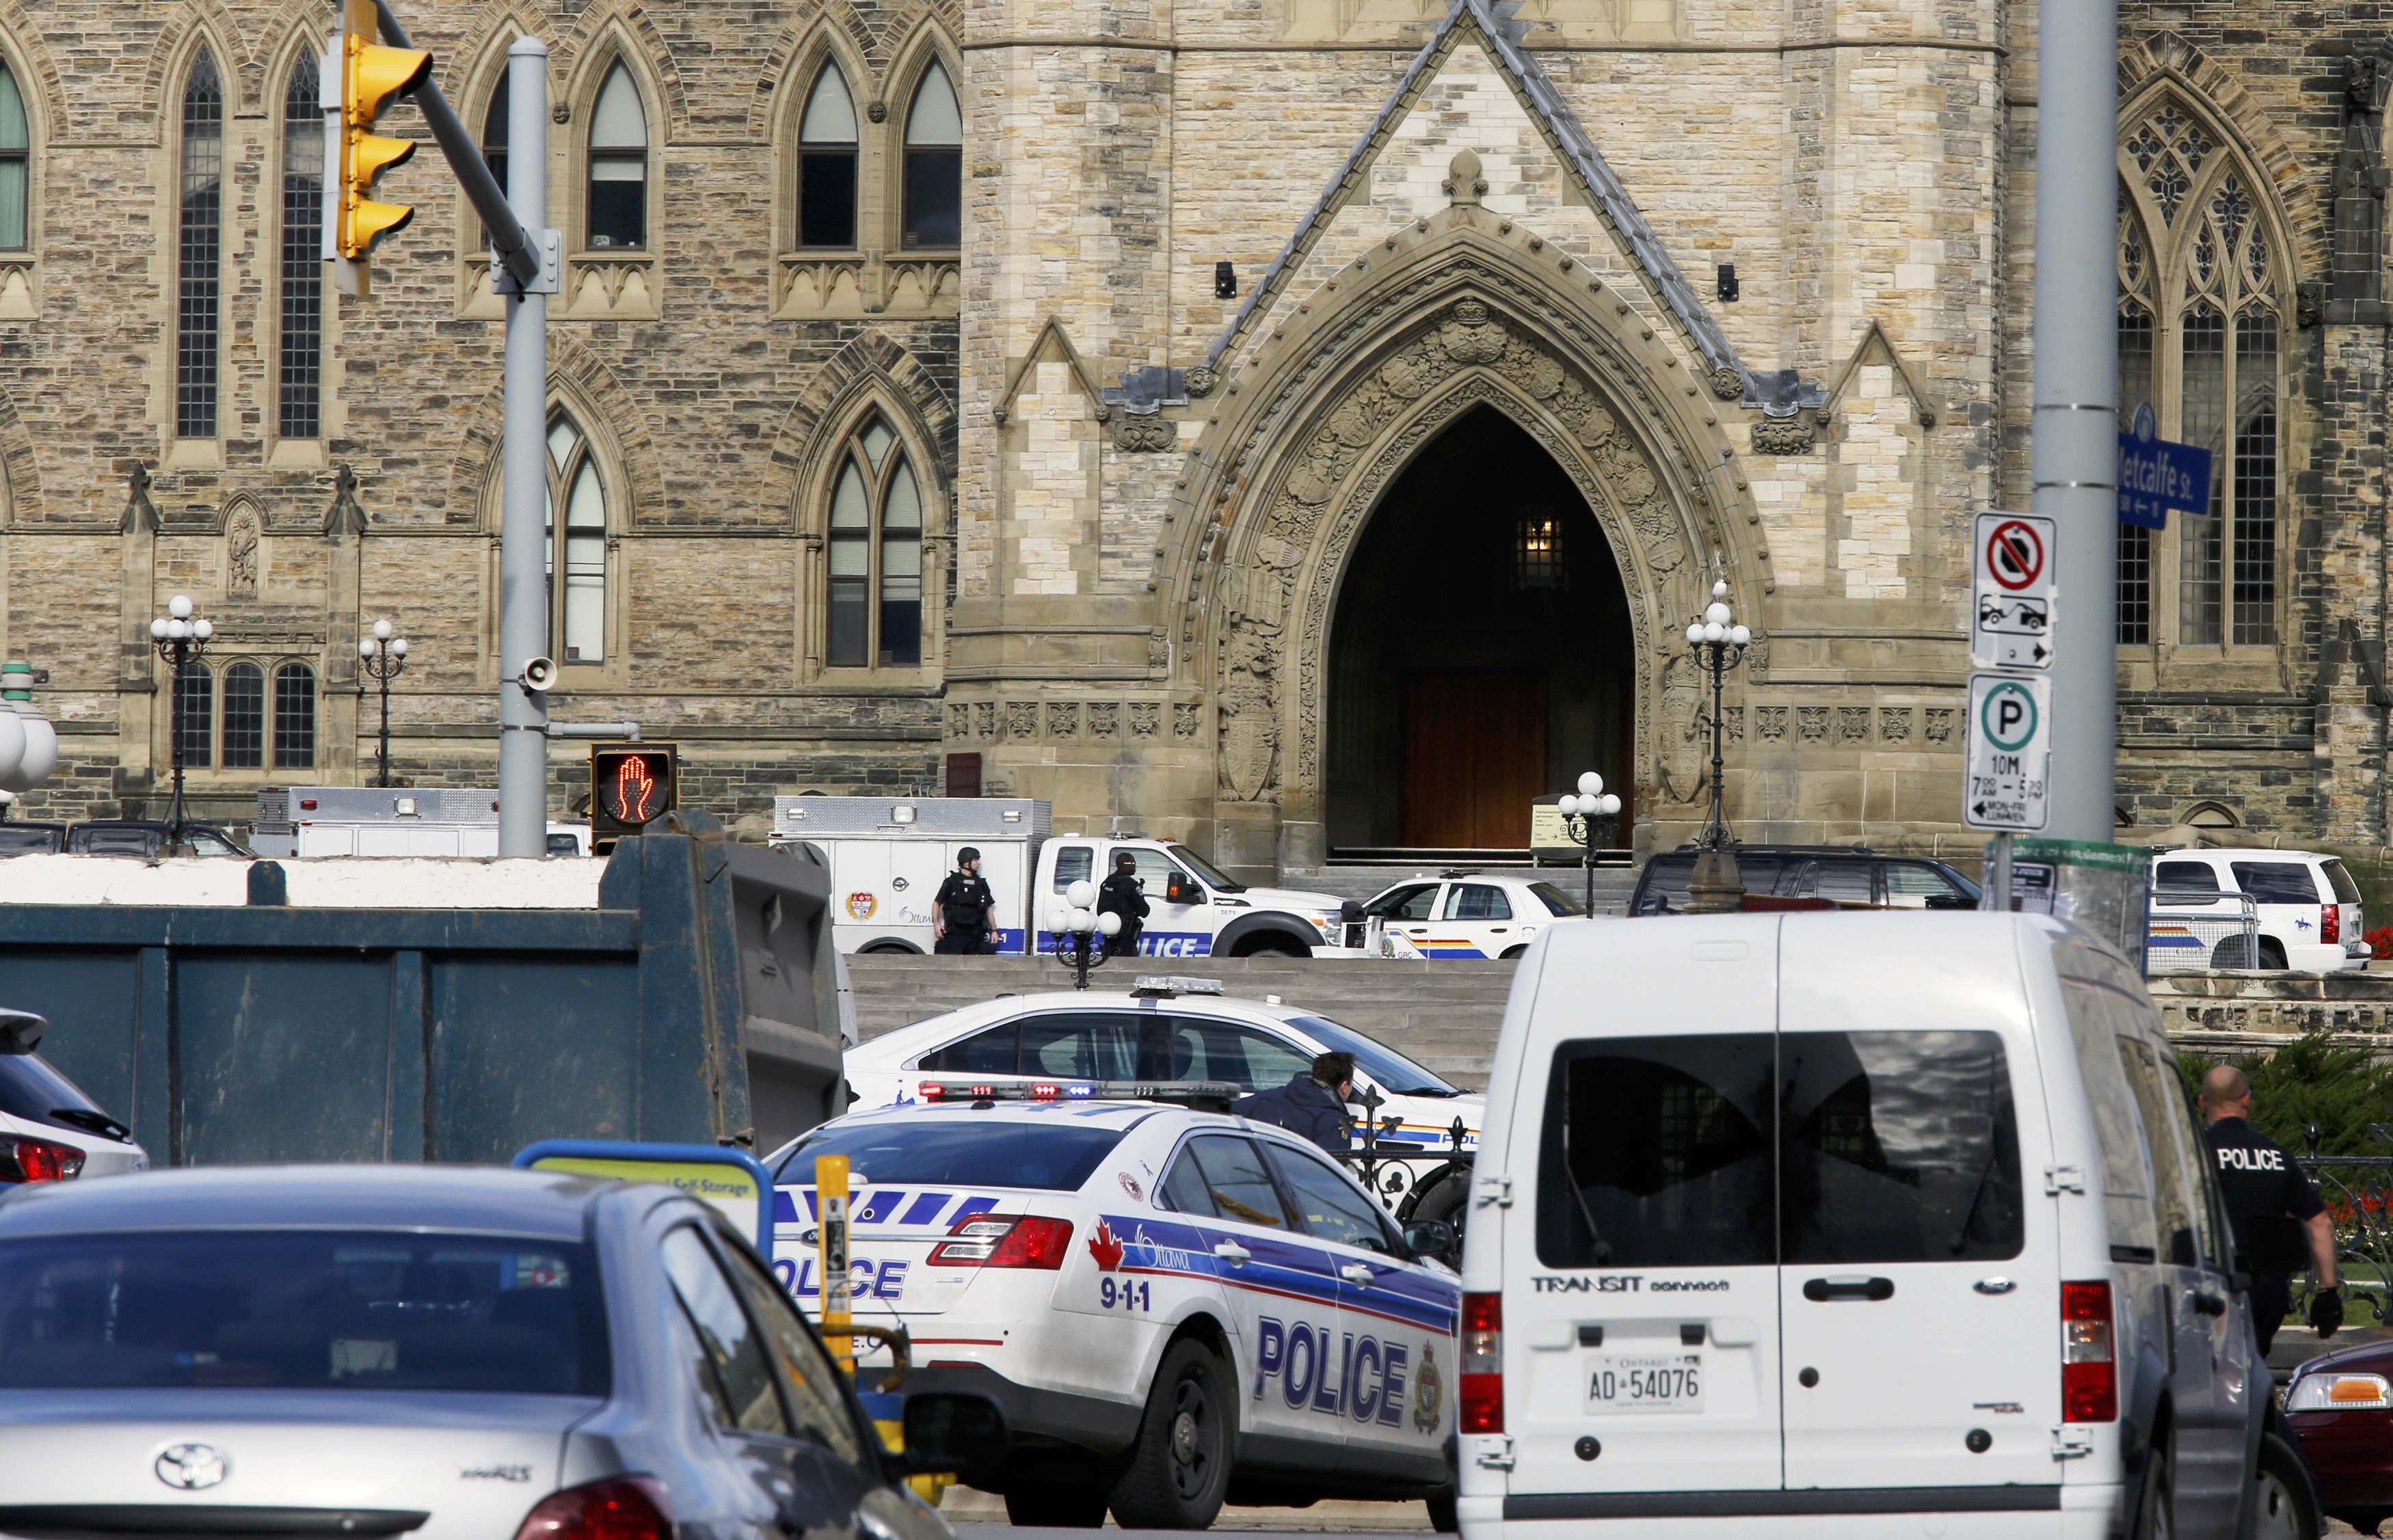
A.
pixel 1727 384
pixel 1183 719
pixel 1200 381
pixel 958 719
pixel 1249 751
pixel 345 516
pixel 1463 184
pixel 1940 723
pixel 140 514
pixel 1063 719
pixel 241 537
pixel 1771 723
pixel 877 110
pixel 1732 724
pixel 984 719
pixel 1795 435
pixel 1894 723
pixel 1148 435
pixel 1022 719
pixel 1813 723
pixel 1105 719
pixel 1852 724
pixel 1143 715
pixel 560 114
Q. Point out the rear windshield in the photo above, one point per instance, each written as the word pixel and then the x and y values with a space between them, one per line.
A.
pixel 1054 1157
pixel 16 839
pixel 1386 1068
pixel 1663 888
pixel 2275 881
pixel 2346 890
pixel 30 1089
pixel 302 1310
pixel 1557 903
pixel 1746 1149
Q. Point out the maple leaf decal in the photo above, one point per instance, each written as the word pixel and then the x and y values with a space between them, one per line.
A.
pixel 1106 1247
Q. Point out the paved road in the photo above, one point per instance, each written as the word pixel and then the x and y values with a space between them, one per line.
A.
pixel 1002 1531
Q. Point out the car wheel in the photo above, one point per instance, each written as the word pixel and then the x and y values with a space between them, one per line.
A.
pixel 1515 955
pixel 2272 955
pixel 1450 1200
pixel 2154 1518
pixel 1273 946
pixel 2230 953
pixel 2285 1510
pixel 1056 1507
pixel 1442 1517
pixel 1180 1463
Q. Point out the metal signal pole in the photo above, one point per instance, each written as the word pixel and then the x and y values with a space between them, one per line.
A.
pixel 523 576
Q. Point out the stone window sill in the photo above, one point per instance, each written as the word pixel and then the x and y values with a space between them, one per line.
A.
pixel 610 285
pixel 850 285
pixel 194 454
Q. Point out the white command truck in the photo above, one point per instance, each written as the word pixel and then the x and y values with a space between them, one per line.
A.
pixel 887 856
pixel 369 820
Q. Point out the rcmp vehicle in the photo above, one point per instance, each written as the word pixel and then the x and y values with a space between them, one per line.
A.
pixel 352 820
pixel 2307 907
pixel 1171 1029
pixel 1465 914
pixel 1173 1308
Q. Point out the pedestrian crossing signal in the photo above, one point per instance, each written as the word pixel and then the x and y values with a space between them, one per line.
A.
pixel 632 784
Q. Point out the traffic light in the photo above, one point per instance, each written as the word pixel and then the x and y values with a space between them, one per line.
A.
pixel 370 75
pixel 632 784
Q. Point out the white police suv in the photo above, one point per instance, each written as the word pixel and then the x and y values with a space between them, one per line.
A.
pixel 1176 1029
pixel 1464 913
pixel 1174 1308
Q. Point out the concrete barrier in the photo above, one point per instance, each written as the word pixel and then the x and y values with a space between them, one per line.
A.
pixel 2236 1011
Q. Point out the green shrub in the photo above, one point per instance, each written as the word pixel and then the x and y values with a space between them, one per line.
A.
pixel 2340 1086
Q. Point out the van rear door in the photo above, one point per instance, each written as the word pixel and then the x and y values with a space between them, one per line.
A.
pixel 1640 1337
pixel 1920 1273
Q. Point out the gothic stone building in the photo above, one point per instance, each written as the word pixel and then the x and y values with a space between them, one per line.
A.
pixel 1292 424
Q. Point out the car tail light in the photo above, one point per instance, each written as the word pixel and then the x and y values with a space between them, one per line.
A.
pixel 930 1090
pixel 2089 1369
pixel 24 1160
pixel 2331 923
pixel 618 1510
pixel 995 1241
pixel 1483 1363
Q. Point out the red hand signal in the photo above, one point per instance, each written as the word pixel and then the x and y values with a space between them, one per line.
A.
pixel 633 789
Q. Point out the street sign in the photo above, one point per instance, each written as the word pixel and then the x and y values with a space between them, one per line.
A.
pixel 2156 476
pixel 731 1181
pixel 2010 593
pixel 2008 786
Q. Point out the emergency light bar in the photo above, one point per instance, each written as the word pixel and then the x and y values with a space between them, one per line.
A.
pixel 1214 1094
pixel 1165 985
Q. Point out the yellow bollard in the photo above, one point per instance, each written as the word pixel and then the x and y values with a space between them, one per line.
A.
pixel 831 1193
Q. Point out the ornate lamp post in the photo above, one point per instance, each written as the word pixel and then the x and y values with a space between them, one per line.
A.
pixel 29 745
pixel 1082 933
pixel 1719 641
pixel 180 640
pixel 1580 810
pixel 382 657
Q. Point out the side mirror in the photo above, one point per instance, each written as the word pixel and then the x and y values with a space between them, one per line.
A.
pixel 20 1031
pixel 958 1435
pixel 1431 1238
pixel 1176 890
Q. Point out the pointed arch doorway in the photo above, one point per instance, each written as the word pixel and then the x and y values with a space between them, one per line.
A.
pixel 1480 654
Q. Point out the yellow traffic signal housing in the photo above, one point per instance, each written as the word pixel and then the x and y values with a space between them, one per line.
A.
pixel 371 75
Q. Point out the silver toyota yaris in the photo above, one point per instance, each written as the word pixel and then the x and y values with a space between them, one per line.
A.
pixel 431 1352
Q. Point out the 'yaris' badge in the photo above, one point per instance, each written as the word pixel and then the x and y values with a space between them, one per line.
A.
pixel 192 1467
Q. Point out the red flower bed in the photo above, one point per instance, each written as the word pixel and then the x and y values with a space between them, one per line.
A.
pixel 2380 941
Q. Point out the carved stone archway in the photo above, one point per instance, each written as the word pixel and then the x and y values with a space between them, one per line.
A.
pixel 1288 476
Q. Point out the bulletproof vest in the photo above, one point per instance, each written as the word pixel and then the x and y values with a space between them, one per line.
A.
pixel 965 901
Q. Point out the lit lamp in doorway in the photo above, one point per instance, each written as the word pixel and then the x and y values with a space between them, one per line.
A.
pixel 1580 810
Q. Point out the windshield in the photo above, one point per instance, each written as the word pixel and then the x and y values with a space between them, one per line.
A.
pixel 27 840
pixel 1562 905
pixel 302 1310
pixel 1213 875
pixel 1388 1069
pixel 1056 1157
pixel 30 1089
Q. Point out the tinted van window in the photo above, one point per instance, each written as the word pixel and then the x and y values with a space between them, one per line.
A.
pixel 1897 1147
pixel 1657 1152
pixel 1056 1157
pixel 2187 876
pixel 2275 881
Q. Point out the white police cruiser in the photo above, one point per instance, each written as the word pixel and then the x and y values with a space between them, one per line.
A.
pixel 1167 1029
pixel 1464 913
pixel 1174 1308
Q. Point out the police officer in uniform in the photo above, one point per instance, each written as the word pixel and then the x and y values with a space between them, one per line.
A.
pixel 2280 1220
pixel 1313 1104
pixel 1122 893
pixel 963 910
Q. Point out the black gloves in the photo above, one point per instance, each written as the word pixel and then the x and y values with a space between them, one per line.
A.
pixel 2326 1311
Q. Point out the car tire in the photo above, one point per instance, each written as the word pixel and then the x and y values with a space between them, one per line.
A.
pixel 1272 945
pixel 1450 1200
pixel 2272 955
pixel 1515 955
pixel 2287 1508
pixel 1179 1466
pixel 1055 1506
pixel 2230 953
pixel 1442 1515
pixel 2155 1518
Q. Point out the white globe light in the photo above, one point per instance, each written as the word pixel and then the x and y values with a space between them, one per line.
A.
pixel 1590 784
pixel 1740 634
pixel 179 631
pixel 1611 805
pixel 1718 613
pixel 399 648
pixel 1109 924
pixel 1081 895
pixel 179 606
pixel 158 628
pixel 41 756
pixel 1569 807
pixel 204 628
pixel 382 631
pixel 1714 631
pixel 1695 632
pixel 1083 922
pixel 365 646
pixel 12 748
pixel 1719 588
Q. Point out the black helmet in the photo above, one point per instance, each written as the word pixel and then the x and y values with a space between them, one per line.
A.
pixel 967 854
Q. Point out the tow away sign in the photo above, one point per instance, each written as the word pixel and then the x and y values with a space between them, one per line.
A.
pixel 2010 593
pixel 2009 785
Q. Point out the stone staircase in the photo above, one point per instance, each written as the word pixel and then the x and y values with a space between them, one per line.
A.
pixel 1443 1014
pixel 1360 880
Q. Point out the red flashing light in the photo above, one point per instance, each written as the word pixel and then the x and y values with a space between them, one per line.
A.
pixel 930 1092
pixel 2089 1370
pixel 1046 1091
pixel 307 804
pixel 603 1510
pixel 1483 1363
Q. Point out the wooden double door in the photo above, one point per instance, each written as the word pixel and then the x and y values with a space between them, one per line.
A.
pixel 1474 757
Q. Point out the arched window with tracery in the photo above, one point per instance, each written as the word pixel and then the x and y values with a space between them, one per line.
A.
pixel 15 166
pixel 198 248
pixel 827 158
pixel 578 605
pixel 933 198
pixel 617 214
pixel 875 600
pixel 298 396
pixel 2201 330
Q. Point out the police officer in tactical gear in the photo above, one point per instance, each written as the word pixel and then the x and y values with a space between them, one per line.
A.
pixel 1122 893
pixel 964 908
pixel 1313 1105
pixel 2279 1218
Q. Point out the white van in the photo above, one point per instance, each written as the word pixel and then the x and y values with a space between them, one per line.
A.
pixel 1850 1225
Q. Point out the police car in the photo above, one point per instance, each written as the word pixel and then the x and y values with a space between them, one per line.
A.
pixel 1174 1308
pixel 1170 1028
pixel 1465 914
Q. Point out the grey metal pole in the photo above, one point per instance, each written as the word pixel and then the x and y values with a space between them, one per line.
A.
pixel 523 576
pixel 2074 451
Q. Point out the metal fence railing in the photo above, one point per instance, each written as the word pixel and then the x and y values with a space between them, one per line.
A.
pixel 2359 1195
pixel 2191 931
